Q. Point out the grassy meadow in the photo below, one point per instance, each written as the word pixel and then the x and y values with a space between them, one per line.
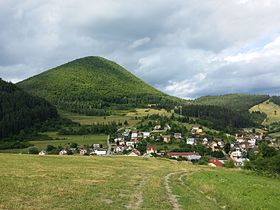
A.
pixel 132 117
pixel 62 140
pixel 74 182
pixel 269 109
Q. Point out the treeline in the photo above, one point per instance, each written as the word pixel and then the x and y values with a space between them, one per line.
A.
pixel 102 105
pixel 19 110
pixel 99 128
pixel 267 160
pixel 236 102
pixel 275 99
pixel 219 118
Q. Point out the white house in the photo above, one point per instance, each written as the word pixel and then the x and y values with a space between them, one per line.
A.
pixel 238 158
pixel 129 143
pixel 177 135
pixel 100 152
pixel 252 142
pixel 83 151
pixel 146 134
pixel 63 152
pixel 188 155
pixel 157 127
pixel 43 152
pixel 134 135
pixel 191 141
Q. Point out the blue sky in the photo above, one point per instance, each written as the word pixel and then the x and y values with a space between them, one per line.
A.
pixel 186 48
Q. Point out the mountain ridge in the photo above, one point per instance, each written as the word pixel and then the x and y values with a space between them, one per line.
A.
pixel 92 85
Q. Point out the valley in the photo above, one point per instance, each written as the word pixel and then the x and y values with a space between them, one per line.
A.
pixel 89 134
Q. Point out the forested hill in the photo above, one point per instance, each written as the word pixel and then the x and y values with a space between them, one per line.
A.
pixel 94 85
pixel 235 102
pixel 20 110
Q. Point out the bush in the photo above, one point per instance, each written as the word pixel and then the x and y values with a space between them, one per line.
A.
pixel 34 150
pixel 229 164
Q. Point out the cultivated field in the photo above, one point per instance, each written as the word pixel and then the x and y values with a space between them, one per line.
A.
pixel 89 120
pixel 131 117
pixel 73 182
pixel 269 109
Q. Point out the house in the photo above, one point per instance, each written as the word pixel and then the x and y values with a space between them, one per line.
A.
pixel 151 149
pixel 238 158
pixel 240 161
pixel 134 135
pixel 118 139
pixel 188 155
pixel 63 152
pixel 96 146
pixel 122 143
pixel 129 143
pixel 157 127
pixel 215 162
pixel 126 134
pixel 205 141
pixel 191 141
pixel 236 154
pixel 134 153
pixel 99 152
pixel 83 151
pixel 43 152
pixel 214 146
pixel 146 135
pixel 221 143
pixel 196 130
pixel 245 145
pixel 166 138
pixel 118 149
pixel 252 142
pixel 177 135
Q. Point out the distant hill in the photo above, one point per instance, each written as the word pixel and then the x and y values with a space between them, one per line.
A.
pixel 236 102
pixel 20 110
pixel 94 85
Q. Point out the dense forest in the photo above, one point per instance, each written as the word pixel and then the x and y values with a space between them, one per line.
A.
pixel 221 118
pixel 275 99
pixel 19 110
pixel 266 161
pixel 94 86
pixel 236 102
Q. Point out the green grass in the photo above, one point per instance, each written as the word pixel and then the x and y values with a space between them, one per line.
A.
pixel 237 102
pixel 227 189
pixel 61 140
pixel 71 182
pixel 268 108
pixel 75 182
pixel 146 112
pixel 89 120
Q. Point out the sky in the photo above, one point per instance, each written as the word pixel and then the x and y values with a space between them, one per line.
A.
pixel 186 48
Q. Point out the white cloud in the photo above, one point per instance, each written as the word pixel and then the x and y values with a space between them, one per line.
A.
pixel 140 42
pixel 188 48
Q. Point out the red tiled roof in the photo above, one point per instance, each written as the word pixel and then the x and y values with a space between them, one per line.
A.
pixel 216 162
pixel 151 147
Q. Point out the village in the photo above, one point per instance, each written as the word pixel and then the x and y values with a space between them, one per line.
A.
pixel 195 146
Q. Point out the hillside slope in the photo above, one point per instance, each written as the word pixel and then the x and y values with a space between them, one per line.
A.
pixel 271 110
pixel 93 85
pixel 236 102
pixel 75 182
pixel 20 110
